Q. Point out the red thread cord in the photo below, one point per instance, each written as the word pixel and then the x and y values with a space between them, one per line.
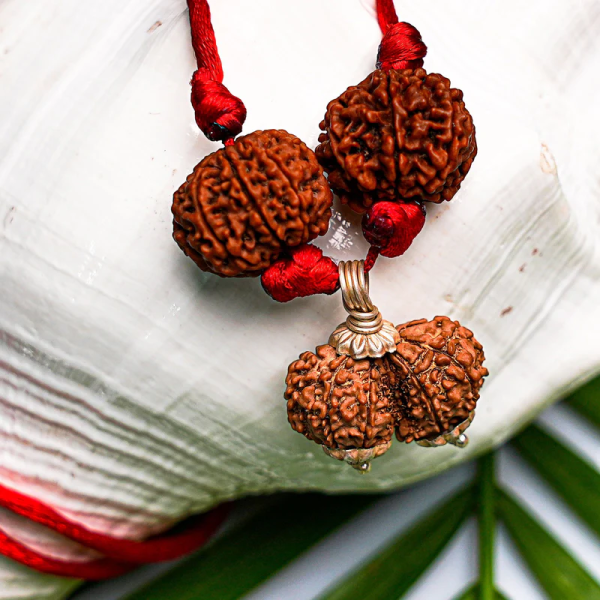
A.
pixel 303 273
pixel 386 14
pixel 391 227
pixel 103 568
pixel 401 46
pixel 185 538
pixel 372 256
pixel 219 114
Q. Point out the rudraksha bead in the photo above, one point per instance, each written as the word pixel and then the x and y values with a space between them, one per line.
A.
pixel 245 203
pixel 423 390
pixel 398 135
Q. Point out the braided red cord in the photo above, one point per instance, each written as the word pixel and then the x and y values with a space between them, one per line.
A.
pixel 372 256
pixel 219 114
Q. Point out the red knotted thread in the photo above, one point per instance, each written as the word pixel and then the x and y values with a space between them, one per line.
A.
pixel 401 46
pixel 303 273
pixel 391 227
pixel 219 114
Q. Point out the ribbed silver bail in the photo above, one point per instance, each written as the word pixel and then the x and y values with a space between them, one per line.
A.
pixel 364 333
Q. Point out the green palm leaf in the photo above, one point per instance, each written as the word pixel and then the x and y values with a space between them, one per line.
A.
pixel 486 517
pixel 241 560
pixel 474 593
pixel 395 569
pixel 561 576
pixel 586 401
pixel 574 479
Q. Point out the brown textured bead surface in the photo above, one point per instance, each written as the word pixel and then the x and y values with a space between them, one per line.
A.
pixel 333 400
pixel 398 135
pixel 427 387
pixel 244 203
pixel 440 365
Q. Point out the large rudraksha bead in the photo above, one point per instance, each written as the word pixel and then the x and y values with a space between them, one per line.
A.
pixel 244 204
pixel 398 135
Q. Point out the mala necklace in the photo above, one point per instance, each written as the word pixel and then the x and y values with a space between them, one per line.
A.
pixel 400 138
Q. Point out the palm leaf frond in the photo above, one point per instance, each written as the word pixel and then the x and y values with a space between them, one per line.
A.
pixel 575 480
pixel 241 560
pixel 395 569
pixel 586 401
pixel 557 571
pixel 474 593
pixel 486 518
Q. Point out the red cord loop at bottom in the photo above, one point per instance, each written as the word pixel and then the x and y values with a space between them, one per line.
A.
pixel 120 555
pixel 219 114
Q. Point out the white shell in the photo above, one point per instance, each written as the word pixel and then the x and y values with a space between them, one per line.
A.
pixel 117 405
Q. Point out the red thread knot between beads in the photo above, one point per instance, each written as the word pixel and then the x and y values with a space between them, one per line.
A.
pixel 401 48
pixel 391 227
pixel 303 273
pixel 219 114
